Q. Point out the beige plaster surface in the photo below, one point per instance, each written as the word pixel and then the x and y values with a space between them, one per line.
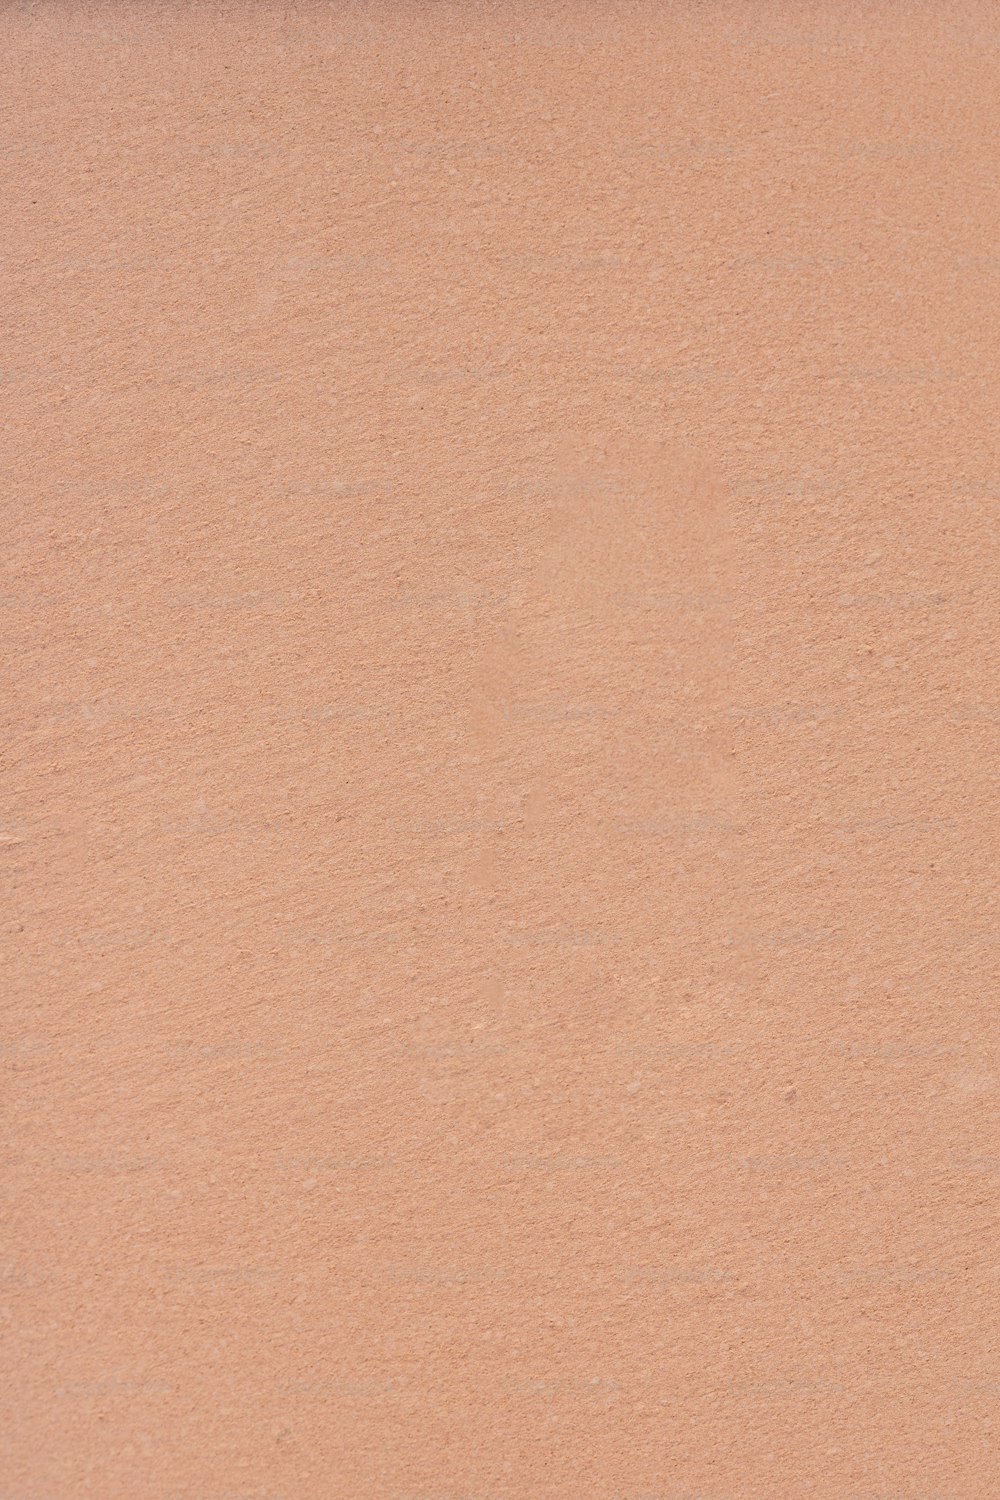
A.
pixel 500 711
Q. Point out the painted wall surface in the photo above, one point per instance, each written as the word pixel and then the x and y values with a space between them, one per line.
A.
pixel 501 727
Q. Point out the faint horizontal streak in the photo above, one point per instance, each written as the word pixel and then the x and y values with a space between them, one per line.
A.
pixel 897 825
pixel 780 1166
pixel 557 937
pixel 770 148
pixel 28 374
pixel 751 39
pixel 107 1165
pixel 778 714
pixel 557 37
pixel 96 35
pixel 986 712
pixel 673 600
pixel 896 1275
pixel 223 375
pixel 97 715
pixel 896 1051
pixel 679 150
pixel 562 1162
pixel 894 601
pixel 253 599
pixel 710 1051
pixel 889 375
pixel 677 375
pixel 458 827
pixel 563 486
pixel 114 938
pixel 76 1390
pixel 338 1164
pixel 342 489
pixel 347 938
pixel 221 1275
pixel 669 827
pixel 335 713
pixel 549 713
pixel 789 489
pixel 788 265
pixel 442 1051
pixel 247 150
pixel 445 150
pixel 360 1388
pixel 978 262
pixel 786 937
pixel 544 263
pixel 346 261
pixel 453 599
pixel 578 1387
pixel 673 1275
pixel 986 40
pixel 442 1276
pixel 671 1494
pixel 442 1495
pixel 451 375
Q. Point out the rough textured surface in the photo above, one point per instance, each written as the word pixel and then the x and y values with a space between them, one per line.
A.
pixel 501 734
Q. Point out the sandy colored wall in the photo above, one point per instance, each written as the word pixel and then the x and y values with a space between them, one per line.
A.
pixel 501 730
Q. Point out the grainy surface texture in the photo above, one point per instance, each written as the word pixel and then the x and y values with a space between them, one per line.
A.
pixel 501 728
